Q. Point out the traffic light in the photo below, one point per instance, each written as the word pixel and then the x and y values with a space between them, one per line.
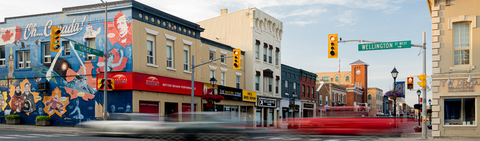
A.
pixel 410 83
pixel 55 39
pixel 332 45
pixel 423 81
pixel 237 59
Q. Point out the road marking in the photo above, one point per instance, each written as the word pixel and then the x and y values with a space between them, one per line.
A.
pixel 24 136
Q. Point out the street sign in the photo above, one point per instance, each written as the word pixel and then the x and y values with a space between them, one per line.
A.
pixel 88 50
pixel 101 84
pixel 385 45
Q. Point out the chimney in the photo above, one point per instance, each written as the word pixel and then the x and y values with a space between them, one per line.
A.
pixel 223 11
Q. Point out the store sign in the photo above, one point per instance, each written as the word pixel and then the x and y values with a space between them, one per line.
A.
pixel 154 83
pixel 229 91
pixel 266 102
pixel 305 105
pixel 459 85
pixel 249 96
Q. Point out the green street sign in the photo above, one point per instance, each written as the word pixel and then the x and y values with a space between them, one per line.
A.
pixel 88 50
pixel 385 45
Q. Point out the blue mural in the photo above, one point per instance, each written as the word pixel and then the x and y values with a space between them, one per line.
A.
pixel 72 97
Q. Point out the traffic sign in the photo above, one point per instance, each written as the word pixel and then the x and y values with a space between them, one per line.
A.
pixel 88 50
pixel 101 84
pixel 385 45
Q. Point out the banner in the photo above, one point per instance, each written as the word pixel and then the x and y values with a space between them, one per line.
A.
pixel 401 87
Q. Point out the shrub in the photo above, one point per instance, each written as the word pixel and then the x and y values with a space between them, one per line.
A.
pixel 417 127
pixel 40 118
pixel 10 117
pixel 393 93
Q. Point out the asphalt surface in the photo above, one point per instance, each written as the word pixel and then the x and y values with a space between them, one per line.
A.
pixel 9 135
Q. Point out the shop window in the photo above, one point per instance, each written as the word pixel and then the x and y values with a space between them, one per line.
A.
pixel 460 111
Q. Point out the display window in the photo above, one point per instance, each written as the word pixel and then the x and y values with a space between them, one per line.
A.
pixel 459 111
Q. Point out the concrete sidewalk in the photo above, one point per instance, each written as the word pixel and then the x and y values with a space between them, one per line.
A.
pixel 418 136
pixel 33 128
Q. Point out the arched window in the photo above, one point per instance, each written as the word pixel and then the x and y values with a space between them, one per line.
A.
pixel 347 78
pixel 369 96
pixel 318 79
pixel 337 78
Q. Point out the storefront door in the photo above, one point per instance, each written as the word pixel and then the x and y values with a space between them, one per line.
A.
pixel 148 107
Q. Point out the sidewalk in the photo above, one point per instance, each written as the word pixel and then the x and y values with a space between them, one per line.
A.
pixel 417 136
pixel 33 128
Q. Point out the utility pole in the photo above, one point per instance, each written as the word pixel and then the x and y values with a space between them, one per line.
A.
pixel 424 102
pixel 105 53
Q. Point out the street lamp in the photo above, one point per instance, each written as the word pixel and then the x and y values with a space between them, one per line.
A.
pixel 213 81
pixel 294 106
pixel 394 75
pixel 418 93
pixel 430 103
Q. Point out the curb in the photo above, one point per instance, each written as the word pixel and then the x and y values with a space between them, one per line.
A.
pixel 40 130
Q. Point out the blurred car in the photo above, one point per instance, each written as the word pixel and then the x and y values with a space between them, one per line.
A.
pixel 132 124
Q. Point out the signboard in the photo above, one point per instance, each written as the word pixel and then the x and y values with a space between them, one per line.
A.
pixel 459 86
pixel 262 102
pixel 88 50
pixel 122 80
pixel 401 87
pixel 228 91
pixel 249 96
pixel 305 105
pixel 101 84
pixel 384 45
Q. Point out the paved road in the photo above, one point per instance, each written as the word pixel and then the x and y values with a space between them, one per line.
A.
pixel 8 135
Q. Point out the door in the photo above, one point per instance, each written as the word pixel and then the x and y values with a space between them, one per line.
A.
pixel 148 107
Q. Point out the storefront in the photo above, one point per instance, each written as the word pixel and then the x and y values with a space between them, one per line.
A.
pixel 234 103
pixel 455 108
pixel 266 109
pixel 156 94
pixel 308 110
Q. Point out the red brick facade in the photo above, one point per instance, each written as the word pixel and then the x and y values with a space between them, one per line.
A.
pixel 306 87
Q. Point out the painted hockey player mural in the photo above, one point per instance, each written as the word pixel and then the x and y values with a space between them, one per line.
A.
pixel 120 36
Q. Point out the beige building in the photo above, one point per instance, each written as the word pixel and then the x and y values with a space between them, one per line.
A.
pixel 334 77
pixel 259 35
pixel 375 100
pixel 455 77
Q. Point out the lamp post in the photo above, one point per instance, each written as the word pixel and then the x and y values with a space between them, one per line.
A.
pixel 418 93
pixel 430 103
pixel 294 107
pixel 213 81
pixel 394 75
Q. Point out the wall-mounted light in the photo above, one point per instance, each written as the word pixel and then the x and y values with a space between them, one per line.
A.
pixel 449 82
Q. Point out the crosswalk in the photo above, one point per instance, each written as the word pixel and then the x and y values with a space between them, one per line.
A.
pixel 31 136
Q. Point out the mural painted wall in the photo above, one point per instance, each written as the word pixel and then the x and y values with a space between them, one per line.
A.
pixel 26 61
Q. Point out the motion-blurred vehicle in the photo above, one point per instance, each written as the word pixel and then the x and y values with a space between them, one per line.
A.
pixel 130 124
pixel 346 121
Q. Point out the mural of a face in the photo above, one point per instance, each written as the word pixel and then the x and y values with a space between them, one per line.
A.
pixel 111 56
pixel 121 25
pixel 18 91
pixel 27 88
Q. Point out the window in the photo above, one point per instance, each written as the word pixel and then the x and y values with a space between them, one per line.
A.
pixel 459 111
pixel 2 55
pixel 308 91
pixel 222 78
pixel 212 73
pixel 303 90
pixel 223 59
pixel 238 82
pixel 257 85
pixel 276 86
pixel 47 58
pixel 91 44
pixel 317 79
pixel 269 84
pixel 66 52
pixel 186 57
pixel 212 55
pixel 23 59
pixel 313 94
pixel 334 97
pixel 257 51
pixel 326 100
pixel 369 96
pixel 151 49
pixel 320 99
pixel 347 78
pixel 265 54
pixel 337 78
pixel 276 58
pixel 461 41
pixel 294 86
pixel 326 79
pixel 170 54
pixel 265 87
pixel 269 56
pixel 286 86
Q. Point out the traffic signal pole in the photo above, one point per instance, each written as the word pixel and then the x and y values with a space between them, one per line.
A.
pixel 105 66
pixel 424 102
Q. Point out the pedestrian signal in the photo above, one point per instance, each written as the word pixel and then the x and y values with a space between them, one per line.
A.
pixel 410 83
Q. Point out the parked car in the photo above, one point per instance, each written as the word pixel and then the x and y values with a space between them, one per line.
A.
pixel 131 124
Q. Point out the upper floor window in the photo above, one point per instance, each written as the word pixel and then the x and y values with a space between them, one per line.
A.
pixel 23 59
pixel 317 79
pixel 294 86
pixel 303 90
pixel 151 49
pixel 212 55
pixel 265 54
pixel 238 82
pixel 170 53
pixel 347 78
pixel 2 55
pixel 186 57
pixel 337 78
pixel 369 96
pixel 326 79
pixel 222 78
pixel 308 91
pixel 47 58
pixel 461 41
pixel 257 84
pixel 313 93
pixel 91 44
pixel 276 58
pixel 269 56
pixel 212 73
pixel 276 85
pixel 257 51
pixel 320 99
pixel 67 46
pixel 223 59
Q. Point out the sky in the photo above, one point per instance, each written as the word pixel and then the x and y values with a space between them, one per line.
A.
pixel 306 25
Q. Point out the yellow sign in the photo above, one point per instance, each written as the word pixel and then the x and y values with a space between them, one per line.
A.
pixel 101 84
pixel 423 81
pixel 249 96
pixel 424 120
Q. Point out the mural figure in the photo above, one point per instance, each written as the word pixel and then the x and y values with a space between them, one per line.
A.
pixel 40 112
pixel 17 100
pixel 110 60
pixel 113 108
pixel 29 104
pixel 128 110
pixel 79 116
pixel 80 83
pixel 90 32
pixel 54 104
pixel 2 102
